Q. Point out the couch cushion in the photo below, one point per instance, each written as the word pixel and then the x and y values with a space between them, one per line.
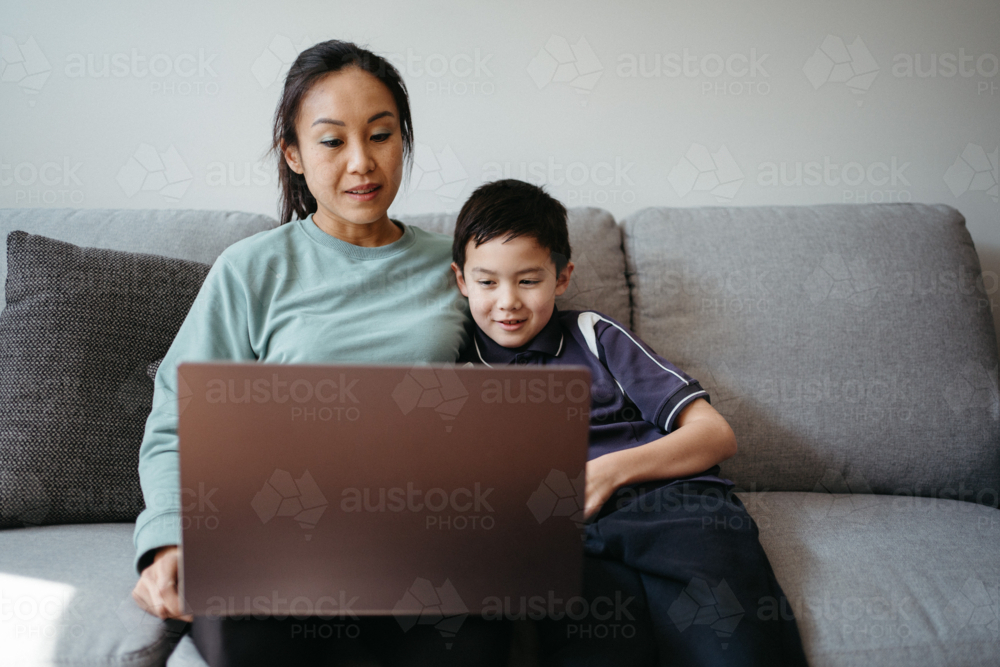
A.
pixel 80 328
pixel 185 234
pixel 837 337
pixel 66 600
pixel 599 277
pixel 883 580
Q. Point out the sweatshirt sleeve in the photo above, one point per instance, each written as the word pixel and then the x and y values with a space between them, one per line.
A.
pixel 216 328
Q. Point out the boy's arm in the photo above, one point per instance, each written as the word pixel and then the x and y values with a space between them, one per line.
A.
pixel 700 439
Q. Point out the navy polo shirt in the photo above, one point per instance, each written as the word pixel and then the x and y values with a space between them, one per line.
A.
pixel 636 395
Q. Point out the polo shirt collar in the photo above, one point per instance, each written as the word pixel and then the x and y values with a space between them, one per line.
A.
pixel 548 341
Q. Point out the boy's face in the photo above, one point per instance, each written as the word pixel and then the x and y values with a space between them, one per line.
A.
pixel 511 286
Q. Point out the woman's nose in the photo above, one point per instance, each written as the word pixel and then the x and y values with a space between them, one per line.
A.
pixel 359 159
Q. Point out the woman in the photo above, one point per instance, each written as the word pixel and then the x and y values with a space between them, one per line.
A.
pixel 341 283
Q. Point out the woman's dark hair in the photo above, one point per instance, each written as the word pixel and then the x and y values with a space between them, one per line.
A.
pixel 508 209
pixel 313 63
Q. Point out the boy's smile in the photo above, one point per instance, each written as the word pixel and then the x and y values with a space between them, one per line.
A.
pixel 512 287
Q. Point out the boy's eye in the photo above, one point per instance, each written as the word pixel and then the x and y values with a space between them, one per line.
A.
pixel 485 283
pixel 530 282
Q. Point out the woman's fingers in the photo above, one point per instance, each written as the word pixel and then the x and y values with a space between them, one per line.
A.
pixel 156 591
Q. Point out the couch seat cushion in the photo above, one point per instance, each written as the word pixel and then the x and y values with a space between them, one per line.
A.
pixel 885 580
pixel 66 599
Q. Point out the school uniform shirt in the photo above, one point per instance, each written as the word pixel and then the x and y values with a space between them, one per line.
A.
pixel 636 395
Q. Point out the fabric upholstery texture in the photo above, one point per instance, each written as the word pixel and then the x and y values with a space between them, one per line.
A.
pixel 879 581
pixel 80 328
pixel 67 592
pixel 846 345
pixel 185 234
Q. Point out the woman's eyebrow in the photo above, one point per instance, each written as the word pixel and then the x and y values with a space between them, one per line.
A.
pixel 381 114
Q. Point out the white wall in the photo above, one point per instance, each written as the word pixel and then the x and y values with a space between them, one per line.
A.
pixel 197 85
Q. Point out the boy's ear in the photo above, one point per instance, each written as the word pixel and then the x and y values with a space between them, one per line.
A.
pixel 460 279
pixel 562 280
pixel 292 157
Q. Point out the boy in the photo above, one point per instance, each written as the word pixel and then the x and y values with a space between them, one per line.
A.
pixel 653 500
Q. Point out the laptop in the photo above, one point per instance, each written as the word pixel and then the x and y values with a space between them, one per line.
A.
pixel 351 490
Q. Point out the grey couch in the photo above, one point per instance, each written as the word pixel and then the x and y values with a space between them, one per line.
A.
pixel 850 347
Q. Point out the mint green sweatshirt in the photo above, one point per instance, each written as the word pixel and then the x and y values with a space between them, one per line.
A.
pixel 292 295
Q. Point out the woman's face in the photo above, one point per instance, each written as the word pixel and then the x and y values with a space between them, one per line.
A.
pixel 349 149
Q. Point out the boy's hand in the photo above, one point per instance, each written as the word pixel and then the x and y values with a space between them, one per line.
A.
pixel 602 480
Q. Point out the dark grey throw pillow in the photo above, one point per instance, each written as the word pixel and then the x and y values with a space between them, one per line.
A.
pixel 80 329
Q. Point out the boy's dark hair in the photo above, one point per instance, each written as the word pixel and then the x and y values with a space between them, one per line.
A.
pixel 512 208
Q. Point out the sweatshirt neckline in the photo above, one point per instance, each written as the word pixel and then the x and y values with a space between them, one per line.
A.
pixel 308 225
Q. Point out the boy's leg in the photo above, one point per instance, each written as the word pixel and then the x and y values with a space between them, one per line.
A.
pixel 610 626
pixel 713 596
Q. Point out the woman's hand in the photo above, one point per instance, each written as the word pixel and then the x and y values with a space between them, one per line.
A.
pixel 602 480
pixel 156 591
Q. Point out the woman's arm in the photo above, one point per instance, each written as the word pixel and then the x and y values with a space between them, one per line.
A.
pixel 701 439
pixel 216 327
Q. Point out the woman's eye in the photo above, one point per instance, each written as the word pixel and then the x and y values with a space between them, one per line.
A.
pixel 383 136
pixel 332 143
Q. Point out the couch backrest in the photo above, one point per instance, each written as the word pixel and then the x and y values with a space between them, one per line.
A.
pixel 599 277
pixel 850 347
pixel 183 234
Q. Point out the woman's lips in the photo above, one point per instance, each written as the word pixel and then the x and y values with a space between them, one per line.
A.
pixel 510 325
pixel 364 192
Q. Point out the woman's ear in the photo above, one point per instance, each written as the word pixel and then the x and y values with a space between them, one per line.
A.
pixel 562 280
pixel 460 279
pixel 292 157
